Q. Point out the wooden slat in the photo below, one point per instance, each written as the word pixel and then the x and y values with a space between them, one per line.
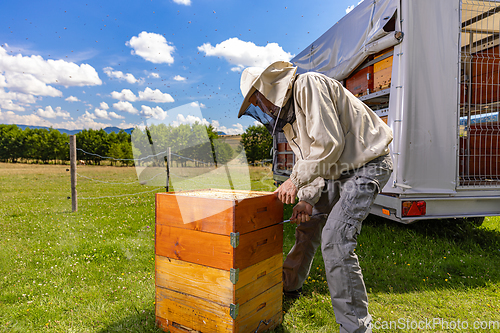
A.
pixel 202 281
pixel 256 213
pixel 193 246
pixel 173 327
pixel 382 79
pixel 215 250
pixel 193 312
pixel 361 83
pixel 220 216
pixel 263 307
pixel 196 213
pixel 258 278
pixel 383 64
pixel 258 245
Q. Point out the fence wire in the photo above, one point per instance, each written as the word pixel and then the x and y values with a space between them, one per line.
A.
pixel 120 195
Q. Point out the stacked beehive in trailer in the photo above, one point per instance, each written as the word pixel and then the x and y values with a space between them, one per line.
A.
pixel 218 261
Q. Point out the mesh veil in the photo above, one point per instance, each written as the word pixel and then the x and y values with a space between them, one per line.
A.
pixel 273 124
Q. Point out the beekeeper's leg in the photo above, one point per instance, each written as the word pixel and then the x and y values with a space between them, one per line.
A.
pixel 339 239
pixel 307 240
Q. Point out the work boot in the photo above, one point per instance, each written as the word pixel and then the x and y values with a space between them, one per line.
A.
pixel 293 294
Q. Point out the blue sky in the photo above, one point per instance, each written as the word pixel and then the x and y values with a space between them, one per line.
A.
pixel 93 64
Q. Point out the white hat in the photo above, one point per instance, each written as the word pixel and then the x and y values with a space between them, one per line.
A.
pixel 272 82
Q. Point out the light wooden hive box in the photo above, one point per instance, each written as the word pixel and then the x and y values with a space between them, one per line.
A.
pixel 219 256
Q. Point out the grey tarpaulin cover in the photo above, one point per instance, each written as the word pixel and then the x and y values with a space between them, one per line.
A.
pixel 349 42
pixel 424 89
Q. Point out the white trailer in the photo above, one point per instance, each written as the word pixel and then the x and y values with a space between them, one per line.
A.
pixel 431 69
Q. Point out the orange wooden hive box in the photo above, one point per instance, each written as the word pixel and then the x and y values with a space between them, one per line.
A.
pixel 219 257
pixel 382 71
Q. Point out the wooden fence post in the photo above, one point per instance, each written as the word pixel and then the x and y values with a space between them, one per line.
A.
pixel 169 155
pixel 72 158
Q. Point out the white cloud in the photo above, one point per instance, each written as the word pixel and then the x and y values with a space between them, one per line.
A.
pixel 9 105
pixel 189 120
pixel 156 112
pixel 183 2
pixel 152 47
pixel 120 75
pixel 24 78
pixel 235 129
pixel 9 117
pixel 156 96
pixel 29 84
pixel 155 75
pixel 350 8
pixel 125 106
pixel 198 105
pixel 257 123
pixel 179 78
pixel 87 120
pixel 87 116
pixel 124 95
pixel 104 106
pixel 243 54
pixel 148 95
pixel 103 114
pixel 72 99
pixel 7 100
pixel 115 115
pixel 51 113
pixel 35 68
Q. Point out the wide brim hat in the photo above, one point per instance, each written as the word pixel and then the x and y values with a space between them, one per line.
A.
pixel 273 82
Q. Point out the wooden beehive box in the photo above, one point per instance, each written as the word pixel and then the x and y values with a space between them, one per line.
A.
pixel 285 157
pixel 382 71
pixel 361 82
pixel 218 261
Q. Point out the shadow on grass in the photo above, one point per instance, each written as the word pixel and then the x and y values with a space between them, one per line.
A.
pixel 141 322
pixel 426 255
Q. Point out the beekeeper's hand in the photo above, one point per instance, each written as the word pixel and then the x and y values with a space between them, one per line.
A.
pixel 287 192
pixel 301 212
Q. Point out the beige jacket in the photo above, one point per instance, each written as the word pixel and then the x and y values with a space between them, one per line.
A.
pixel 334 132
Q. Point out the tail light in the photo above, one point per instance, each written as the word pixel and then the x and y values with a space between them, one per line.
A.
pixel 414 208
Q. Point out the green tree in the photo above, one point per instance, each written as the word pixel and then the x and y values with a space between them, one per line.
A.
pixel 94 142
pixel 257 142
pixel 11 143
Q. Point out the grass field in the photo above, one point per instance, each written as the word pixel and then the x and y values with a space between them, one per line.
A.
pixel 93 270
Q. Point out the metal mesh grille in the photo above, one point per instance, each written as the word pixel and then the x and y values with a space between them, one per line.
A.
pixel 479 137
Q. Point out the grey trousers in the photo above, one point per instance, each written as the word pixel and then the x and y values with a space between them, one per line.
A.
pixel 347 202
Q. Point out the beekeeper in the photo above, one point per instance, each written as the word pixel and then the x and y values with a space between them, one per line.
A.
pixel 342 163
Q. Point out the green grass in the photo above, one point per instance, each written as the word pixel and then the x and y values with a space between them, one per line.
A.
pixel 92 271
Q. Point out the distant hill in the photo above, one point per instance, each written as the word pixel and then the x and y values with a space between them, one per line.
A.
pixel 73 132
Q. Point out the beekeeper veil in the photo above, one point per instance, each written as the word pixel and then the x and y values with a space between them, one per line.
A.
pixel 274 83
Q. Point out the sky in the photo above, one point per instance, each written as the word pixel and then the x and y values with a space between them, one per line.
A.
pixel 95 64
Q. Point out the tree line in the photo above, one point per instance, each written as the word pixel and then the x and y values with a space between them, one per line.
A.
pixel 40 145
pixel 191 145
